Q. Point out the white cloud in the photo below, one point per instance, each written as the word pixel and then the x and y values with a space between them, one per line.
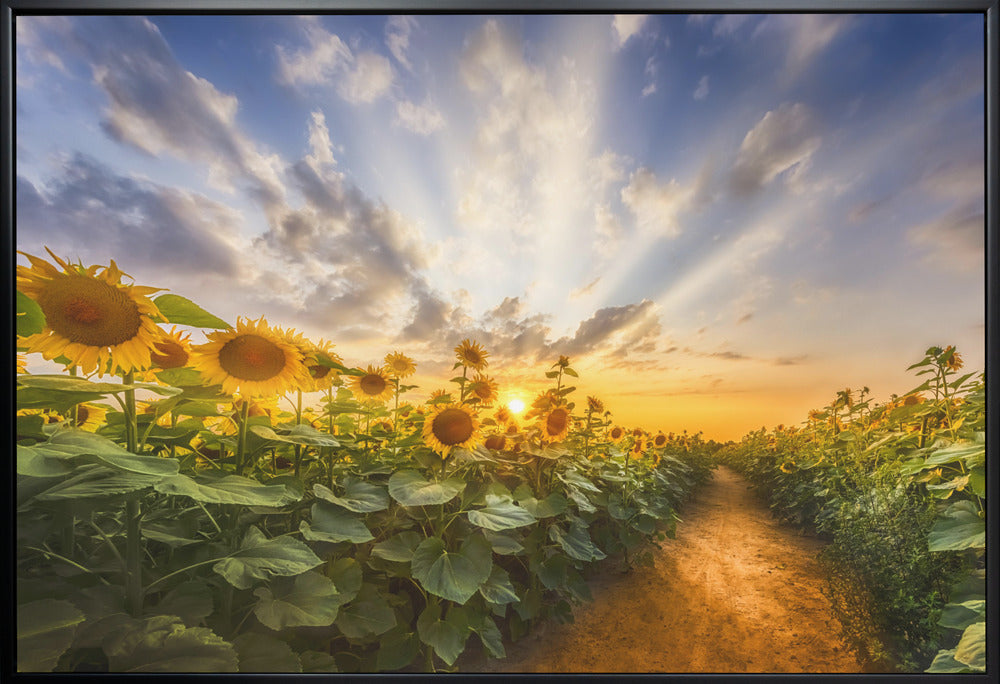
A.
pixel 421 119
pixel 784 138
pixel 649 90
pixel 807 36
pixel 397 37
pixel 369 78
pixel 319 140
pixel 650 71
pixel 728 24
pixel 701 92
pixel 625 26
pixel 655 205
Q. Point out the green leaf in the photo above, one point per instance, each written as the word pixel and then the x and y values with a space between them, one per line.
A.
pixel 315 661
pixel 576 543
pixel 30 317
pixel 397 649
pixel 177 309
pixel 191 601
pixel 360 496
pixel 91 481
pixel 552 571
pixel 333 524
pixel 447 637
pixel 368 613
pixel 109 453
pixel 409 488
pixel 40 460
pixel 303 435
pixel 259 557
pixel 503 544
pixel 570 371
pixel 164 644
pixel 572 477
pixel 455 576
pixel 347 576
pixel 45 630
pixel 960 527
pixel 498 589
pixel 227 489
pixel 263 653
pixel 971 648
pixel 490 635
pixel 398 548
pixel 961 615
pixel 552 505
pixel 500 514
pixel 310 600
pixel 551 374
pixel 944 662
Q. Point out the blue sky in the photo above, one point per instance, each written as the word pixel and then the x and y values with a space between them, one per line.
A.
pixel 722 219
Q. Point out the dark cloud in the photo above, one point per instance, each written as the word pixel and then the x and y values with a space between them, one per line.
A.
pixel 92 212
pixel 744 318
pixel 791 360
pixel 729 356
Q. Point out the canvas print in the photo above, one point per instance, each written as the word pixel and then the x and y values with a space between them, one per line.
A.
pixel 600 343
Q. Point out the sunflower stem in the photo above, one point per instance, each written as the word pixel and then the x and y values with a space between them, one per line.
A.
pixel 298 421
pixel 133 532
pixel 241 444
pixel 395 417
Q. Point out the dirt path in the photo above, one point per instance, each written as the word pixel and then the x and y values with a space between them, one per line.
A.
pixel 734 592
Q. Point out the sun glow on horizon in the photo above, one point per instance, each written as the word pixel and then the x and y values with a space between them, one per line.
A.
pixel 515 405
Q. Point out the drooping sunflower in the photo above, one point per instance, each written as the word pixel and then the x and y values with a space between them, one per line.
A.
pixel 472 355
pixel 563 362
pixel 254 360
pixel 172 350
pixel 485 389
pixel 451 425
pixel 89 417
pixel 316 356
pixel 638 446
pixel 555 424
pixel 91 317
pixel 954 362
pixel 913 399
pixel 616 434
pixel 374 385
pixel 400 365
pixel 595 405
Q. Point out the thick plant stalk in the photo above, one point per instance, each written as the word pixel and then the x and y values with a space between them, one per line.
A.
pixel 298 421
pixel 241 445
pixel 133 513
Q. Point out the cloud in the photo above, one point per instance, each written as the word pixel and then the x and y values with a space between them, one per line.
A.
pixel 784 138
pixel 955 239
pixel 728 24
pixel 807 34
pixel 625 26
pixel 326 60
pixel 655 205
pixel 160 229
pixel 729 356
pixel 397 37
pixel 585 290
pixel 650 72
pixel 319 140
pixel 421 119
pixel 701 92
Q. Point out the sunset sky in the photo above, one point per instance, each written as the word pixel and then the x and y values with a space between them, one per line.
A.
pixel 721 219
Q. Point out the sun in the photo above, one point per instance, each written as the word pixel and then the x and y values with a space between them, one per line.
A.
pixel 515 405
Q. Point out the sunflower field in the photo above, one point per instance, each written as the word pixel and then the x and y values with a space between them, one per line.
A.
pixel 899 489
pixel 173 516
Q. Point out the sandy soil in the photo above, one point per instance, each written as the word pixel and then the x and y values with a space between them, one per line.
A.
pixel 734 592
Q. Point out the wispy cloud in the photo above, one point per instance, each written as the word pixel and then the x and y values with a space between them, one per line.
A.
pixel 784 138
pixel 626 26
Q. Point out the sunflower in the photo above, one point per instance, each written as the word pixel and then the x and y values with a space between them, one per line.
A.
pixel 555 424
pixel 400 365
pixel 322 375
pixel 89 417
pixel 954 361
pixel 563 362
pixel 638 446
pixel 374 385
pixel 913 399
pixel 660 440
pixel 485 389
pixel 616 434
pixel 449 426
pixel 511 429
pixel 172 350
pixel 788 467
pixel 595 405
pixel 472 355
pixel 496 442
pixel 254 359
pixel 439 395
pixel 90 316
pixel 503 415
pixel 22 363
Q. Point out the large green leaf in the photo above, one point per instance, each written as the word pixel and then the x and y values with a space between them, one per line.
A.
pixel 500 514
pixel 552 505
pixel 360 496
pixel 107 452
pixel 163 644
pixel 455 576
pixel 92 480
pixel 498 589
pixel 259 557
pixel 315 661
pixel 503 543
pixel 264 653
pixel 489 635
pixel 369 613
pixel 303 435
pixel 960 527
pixel 448 636
pixel 309 600
pixel 45 630
pixel 409 488
pixel 228 489
pixel 971 648
pixel 397 649
pixel 333 524
pixel 961 615
pixel 945 663
pixel 347 575
pixel 572 477
pixel 191 601
pixel 39 460
pixel 182 311
pixel 30 317
pixel 398 548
